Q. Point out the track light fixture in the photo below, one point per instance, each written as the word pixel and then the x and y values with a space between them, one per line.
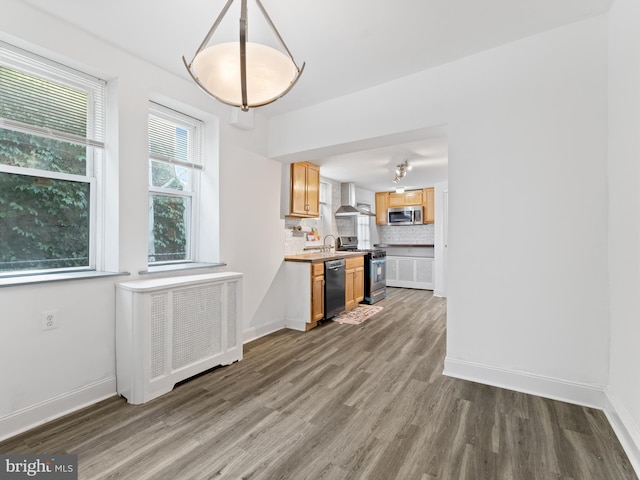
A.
pixel 401 170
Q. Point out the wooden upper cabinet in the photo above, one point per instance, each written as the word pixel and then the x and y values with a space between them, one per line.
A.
pixel 305 190
pixel 406 199
pixel 429 209
pixel 382 205
pixel 396 199
pixel 413 197
pixel 298 188
pixel 423 197
pixel 313 190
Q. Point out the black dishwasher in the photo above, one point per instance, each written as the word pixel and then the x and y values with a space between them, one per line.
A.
pixel 333 287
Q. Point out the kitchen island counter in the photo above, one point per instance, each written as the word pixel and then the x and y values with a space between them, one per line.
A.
pixel 321 257
pixel 309 282
pixel 401 245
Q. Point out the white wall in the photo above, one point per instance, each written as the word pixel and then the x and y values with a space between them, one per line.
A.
pixel 47 373
pixel 527 283
pixel 624 222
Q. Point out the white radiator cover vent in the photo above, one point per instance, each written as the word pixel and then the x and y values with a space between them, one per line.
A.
pixel 168 330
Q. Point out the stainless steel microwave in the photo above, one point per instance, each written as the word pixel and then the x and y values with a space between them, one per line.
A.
pixel 405 215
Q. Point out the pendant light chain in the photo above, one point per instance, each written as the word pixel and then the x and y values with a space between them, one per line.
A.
pixel 243 55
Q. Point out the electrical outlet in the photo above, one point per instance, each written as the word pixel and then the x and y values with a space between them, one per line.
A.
pixel 49 320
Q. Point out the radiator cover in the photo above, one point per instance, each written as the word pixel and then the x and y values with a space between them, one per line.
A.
pixel 168 330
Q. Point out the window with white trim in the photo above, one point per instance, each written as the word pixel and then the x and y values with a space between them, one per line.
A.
pixel 325 209
pixel 364 232
pixel 51 159
pixel 175 163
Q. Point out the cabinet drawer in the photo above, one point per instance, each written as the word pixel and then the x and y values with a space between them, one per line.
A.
pixel 317 269
pixel 354 262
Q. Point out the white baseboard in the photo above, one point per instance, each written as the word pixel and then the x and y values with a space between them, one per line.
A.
pixel 295 324
pixel 540 385
pixel 35 415
pixel 410 284
pixel 254 333
pixel 30 417
pixel 625 428
pixel 439 293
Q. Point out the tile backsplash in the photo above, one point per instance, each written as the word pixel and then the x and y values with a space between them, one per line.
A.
pixel 346 226
pixel 406 233
pixel 293 243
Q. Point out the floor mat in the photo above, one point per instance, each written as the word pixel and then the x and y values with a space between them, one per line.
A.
pixel 357 315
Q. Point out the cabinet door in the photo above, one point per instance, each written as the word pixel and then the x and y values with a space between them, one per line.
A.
pixel 313 190
pixel 382 205
pixel 359 284
pixel 429 210
pixel 353 262
pixel 349 283
pixel 424 272
pixel 413 197
pixel 405 199
pixel 298 189
pixel 317 298
pixel 396 199
pixel 392 269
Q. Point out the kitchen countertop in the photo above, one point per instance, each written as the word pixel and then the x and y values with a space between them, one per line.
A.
pixel 321 257
pixel 391 245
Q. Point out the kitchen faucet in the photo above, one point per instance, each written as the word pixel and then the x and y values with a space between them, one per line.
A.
pixel 324 243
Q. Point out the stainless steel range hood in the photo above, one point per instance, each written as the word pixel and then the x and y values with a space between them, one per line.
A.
pixel 348 200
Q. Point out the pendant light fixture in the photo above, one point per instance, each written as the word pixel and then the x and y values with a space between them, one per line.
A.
pixel 243 74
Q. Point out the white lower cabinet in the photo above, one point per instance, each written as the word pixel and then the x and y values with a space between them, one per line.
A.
pixel 410 272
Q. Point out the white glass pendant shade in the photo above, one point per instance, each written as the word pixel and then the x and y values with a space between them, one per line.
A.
pixel 270 73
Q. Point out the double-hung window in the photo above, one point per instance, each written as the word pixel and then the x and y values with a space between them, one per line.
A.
pixel 51 154
pixel 175 163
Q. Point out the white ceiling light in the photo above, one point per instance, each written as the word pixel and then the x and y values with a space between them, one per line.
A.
pixel 243 74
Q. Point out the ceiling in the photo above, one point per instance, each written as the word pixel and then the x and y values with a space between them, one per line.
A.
pixel 374 168
pixel 347 45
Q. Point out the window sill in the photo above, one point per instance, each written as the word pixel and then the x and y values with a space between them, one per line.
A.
pixel 56 277
pixel 180 267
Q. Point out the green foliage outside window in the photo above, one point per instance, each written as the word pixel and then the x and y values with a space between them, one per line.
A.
pixel 45 211
pixel 44 222
pixel 169 229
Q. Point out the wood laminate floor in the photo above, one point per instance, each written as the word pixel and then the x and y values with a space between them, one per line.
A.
pixel 339 402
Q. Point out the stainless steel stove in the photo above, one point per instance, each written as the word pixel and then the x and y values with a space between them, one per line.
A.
pixel 375 268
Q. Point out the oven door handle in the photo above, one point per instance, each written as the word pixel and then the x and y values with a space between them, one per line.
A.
pixel 384 260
